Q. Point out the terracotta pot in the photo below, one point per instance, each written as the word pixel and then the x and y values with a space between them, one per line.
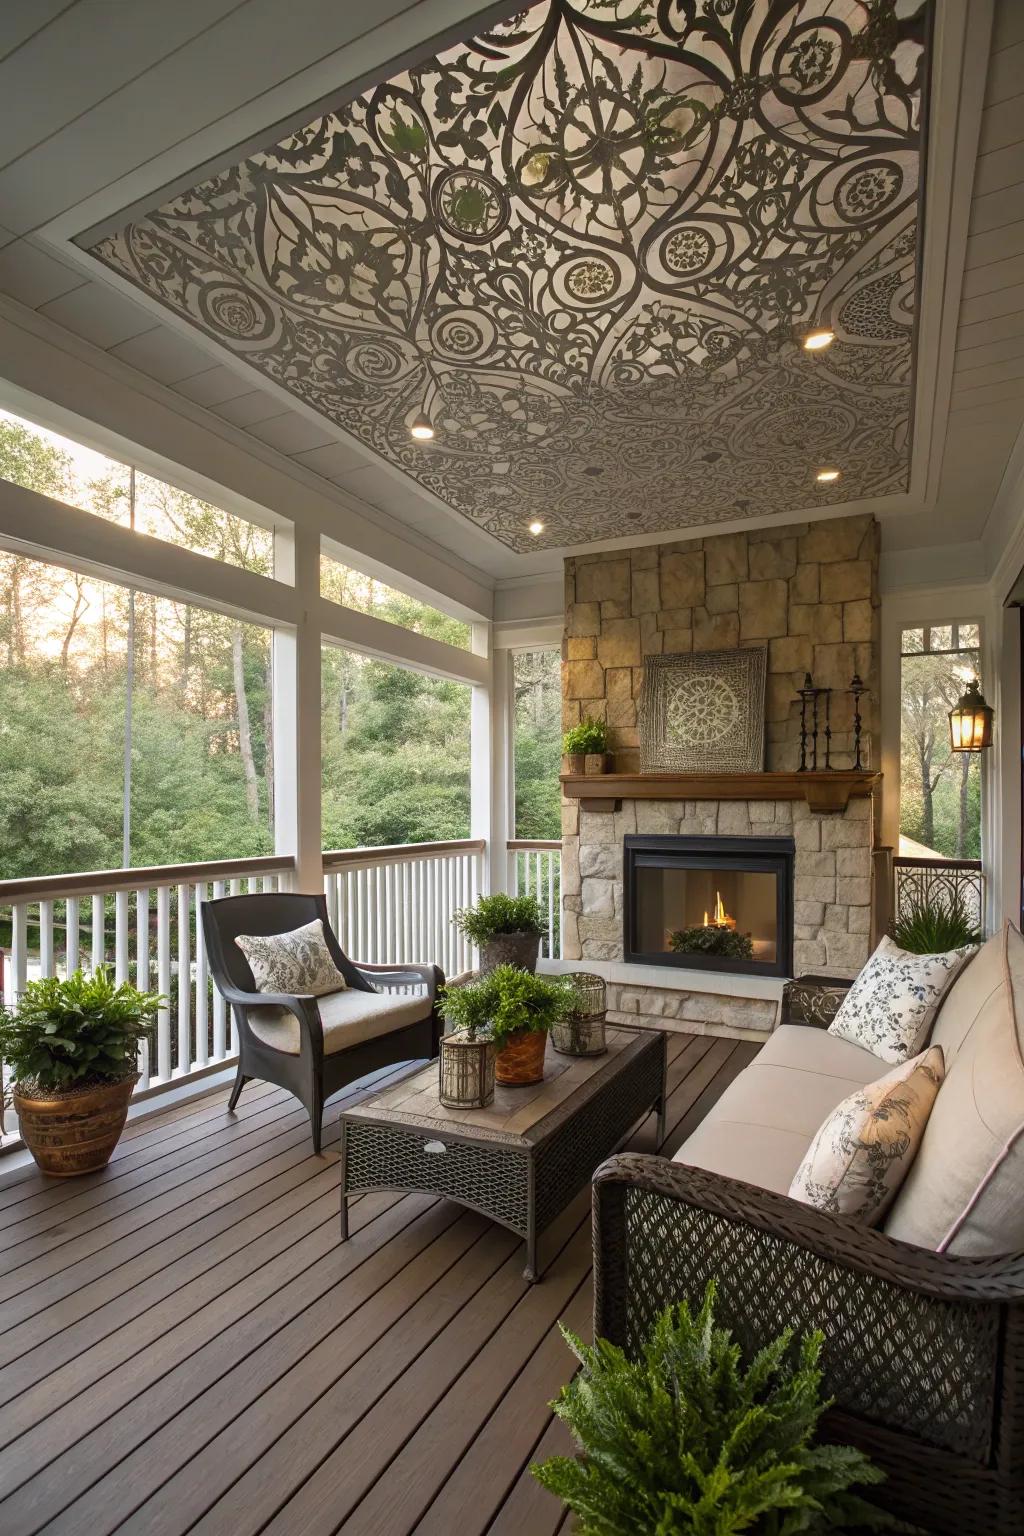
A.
pixel 519 949
pixel 522 1060
pixel 73 1133
pixel 574 762
pixel 598 762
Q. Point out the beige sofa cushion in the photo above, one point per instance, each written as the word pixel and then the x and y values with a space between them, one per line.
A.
pixel 865 1147
pixel 763 1124
pixel 965 1192
pixel 962 1003
pixel 348 1018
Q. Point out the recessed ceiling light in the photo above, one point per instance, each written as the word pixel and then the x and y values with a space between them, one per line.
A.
pixel 826 476
pixel 421 428
pixel 817 341
pixel 536 528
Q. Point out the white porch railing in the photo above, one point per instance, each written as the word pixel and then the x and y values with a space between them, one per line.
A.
pixel 395 904
pixel 535 869
pixel 144 922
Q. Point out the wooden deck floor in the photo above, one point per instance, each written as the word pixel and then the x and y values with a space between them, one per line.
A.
pixel 186 1346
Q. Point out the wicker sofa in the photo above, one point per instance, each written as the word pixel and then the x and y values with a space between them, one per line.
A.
pixel 924 1350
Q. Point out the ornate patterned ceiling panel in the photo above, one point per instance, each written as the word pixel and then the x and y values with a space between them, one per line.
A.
pixel 586 243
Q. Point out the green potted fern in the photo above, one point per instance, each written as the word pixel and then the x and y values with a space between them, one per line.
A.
pixel 932 927
pixel 686 1439
pixel 72 1045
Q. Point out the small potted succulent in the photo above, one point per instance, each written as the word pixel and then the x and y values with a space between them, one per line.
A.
pixel 580 1031
pixel 72 1046
pixel 466 1067
pixel 505 929
pixel 519 1009
pixel 586 747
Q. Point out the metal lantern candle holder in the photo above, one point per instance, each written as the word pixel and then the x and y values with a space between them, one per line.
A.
pixel 582 1031
pixel 466 1072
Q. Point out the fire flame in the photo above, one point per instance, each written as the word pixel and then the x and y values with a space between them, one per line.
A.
pixel 721 918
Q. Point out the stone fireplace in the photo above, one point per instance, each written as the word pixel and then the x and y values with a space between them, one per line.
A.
pixel 810 594
pixel 709 903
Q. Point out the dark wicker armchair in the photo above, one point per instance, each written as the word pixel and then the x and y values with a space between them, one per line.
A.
pixel 311 1073
pixel 924 1353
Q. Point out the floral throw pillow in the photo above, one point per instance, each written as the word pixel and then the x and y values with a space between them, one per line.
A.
pixel 890 1008
pixel 296 962
pixel 863 1152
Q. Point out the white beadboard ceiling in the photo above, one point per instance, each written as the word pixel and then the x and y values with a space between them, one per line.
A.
pixel 104 103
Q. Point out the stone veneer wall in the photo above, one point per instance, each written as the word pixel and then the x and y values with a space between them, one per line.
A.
pixel 810 593
pixel 832 873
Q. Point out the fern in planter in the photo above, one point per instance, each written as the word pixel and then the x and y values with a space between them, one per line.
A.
pixel 685 1440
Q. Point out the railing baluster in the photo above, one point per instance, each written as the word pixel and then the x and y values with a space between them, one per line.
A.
pixel 99 922
pixel 142 976
pixel 46 966
pixel 202 983
pixel 220 1009
pixel 19 949
pixel 71 942
pixel 121 937
pixel 163 982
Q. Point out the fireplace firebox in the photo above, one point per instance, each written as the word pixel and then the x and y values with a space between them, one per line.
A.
pixel 709 903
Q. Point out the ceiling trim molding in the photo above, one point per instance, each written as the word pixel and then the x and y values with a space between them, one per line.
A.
pixel 956 95
pixel 127 406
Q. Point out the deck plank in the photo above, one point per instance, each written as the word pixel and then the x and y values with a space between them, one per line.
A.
pixel 185 1346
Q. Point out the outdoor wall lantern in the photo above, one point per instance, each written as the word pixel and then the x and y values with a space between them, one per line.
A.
pixel 970 723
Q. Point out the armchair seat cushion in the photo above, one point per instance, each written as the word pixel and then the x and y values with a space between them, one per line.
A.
pixel 348 1018
pixel 760 1129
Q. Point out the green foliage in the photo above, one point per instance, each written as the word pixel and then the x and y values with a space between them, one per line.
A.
pixel 712 941
pixel 932 928
pixel 940 790
pixel 537 742
pixel 687 1440
pixel 589 736
pixel 505 1002
pixel 71 1033
pixel 497 914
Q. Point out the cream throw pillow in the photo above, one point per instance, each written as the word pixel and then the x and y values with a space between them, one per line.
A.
pixel 863 1152
pixel 295 962
pixel 890 1008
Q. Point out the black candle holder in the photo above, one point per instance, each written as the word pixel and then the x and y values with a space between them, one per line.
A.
pixel 857 690
pixel 811 698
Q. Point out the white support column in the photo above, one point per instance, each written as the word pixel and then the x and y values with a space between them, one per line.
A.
pixel 297 712
pixel 491 762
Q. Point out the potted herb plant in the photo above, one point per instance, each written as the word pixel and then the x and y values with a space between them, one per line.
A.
pixel 586 747
pixel 519 1009
pixel 72 1047
pixel 505 929
pixel 466 1068
pixel 686 1439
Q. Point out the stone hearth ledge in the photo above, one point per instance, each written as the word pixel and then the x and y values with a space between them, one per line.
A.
pixel 692 1002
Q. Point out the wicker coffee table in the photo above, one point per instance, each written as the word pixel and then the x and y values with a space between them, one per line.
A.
pixel 523 1158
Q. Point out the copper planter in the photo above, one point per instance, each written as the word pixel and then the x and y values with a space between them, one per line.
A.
pixel 74 1133
pixel 522 1059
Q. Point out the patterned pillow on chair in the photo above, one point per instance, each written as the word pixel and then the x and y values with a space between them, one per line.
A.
pixel 891 1006
pixel 863 1152
pixel 295 962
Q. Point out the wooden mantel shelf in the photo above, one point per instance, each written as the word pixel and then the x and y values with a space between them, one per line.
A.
pixel 824 792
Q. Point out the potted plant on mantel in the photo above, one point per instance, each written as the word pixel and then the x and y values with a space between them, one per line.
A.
pixel 514 1010
pixel 72 1046
pixel 586 747
pixel 505 929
